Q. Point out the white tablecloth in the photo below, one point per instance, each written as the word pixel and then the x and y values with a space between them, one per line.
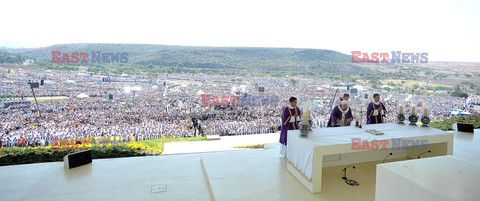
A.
pixel 300 149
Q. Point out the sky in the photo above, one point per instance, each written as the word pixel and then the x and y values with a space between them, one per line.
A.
pixel 447 30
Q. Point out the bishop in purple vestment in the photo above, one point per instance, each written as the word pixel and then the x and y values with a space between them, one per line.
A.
pixel 341 115
pixel 290 118
pixel 376 111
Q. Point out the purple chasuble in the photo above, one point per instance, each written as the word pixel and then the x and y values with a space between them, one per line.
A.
pixel 286 124
pixel 376 119
pixel 336 116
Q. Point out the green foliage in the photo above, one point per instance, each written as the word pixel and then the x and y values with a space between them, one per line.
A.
pixel 442 88
pixel 439 76
pixel 155 59
pixel 15 156
pixel 459 93
pixel 22 155
pixel 447 123
pixel 293 81
pixel 5 96
pixel 391 84
pixel 374 83
pixel 469 84
pixel 10 58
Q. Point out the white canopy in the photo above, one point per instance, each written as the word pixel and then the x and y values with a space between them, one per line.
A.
pixel 82 95
pixel 200 92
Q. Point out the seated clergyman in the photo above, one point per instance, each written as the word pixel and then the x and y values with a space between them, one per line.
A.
pixel 341 115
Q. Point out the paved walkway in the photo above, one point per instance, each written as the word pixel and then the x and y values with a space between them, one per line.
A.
pixel 224 144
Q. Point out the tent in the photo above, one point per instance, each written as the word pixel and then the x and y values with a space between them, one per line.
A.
pixel 82 95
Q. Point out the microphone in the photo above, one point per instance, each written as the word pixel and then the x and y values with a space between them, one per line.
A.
pixel 349 181
pixel 344 172
pixel 429 151
pixel 387 157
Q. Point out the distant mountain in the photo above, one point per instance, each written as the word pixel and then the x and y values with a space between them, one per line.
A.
pixel 318 63
pixel 216 58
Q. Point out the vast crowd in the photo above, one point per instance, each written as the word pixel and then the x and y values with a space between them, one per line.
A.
pixel 78 105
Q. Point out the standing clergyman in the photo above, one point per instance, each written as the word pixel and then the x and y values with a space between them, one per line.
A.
pixel 290 118
pixel 376 111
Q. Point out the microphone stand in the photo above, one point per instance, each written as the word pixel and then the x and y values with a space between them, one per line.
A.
pixel 349 181
pixel 344 172
pixel 429 151
pixel 387 157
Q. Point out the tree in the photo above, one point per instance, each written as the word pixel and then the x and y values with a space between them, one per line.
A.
pixel 293 81
pixel 374 83
pixel 459 93
pixel 469 84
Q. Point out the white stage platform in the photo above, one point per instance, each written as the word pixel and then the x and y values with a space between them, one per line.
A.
pixel 440 178
pixel 327 147
pixel 220 176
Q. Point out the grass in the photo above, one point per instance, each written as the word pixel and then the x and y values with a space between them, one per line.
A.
pixel 159 143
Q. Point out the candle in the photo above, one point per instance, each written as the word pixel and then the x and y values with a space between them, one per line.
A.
pixel 425 112
pixel 413 110
pixel 305 117
pixel 401 109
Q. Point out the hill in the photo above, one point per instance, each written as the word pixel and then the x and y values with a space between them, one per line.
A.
pixel 319 63
pixel 152 58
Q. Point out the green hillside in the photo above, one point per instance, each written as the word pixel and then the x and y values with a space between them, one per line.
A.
pixel 152 59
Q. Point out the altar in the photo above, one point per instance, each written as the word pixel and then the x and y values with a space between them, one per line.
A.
pixel 327 147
